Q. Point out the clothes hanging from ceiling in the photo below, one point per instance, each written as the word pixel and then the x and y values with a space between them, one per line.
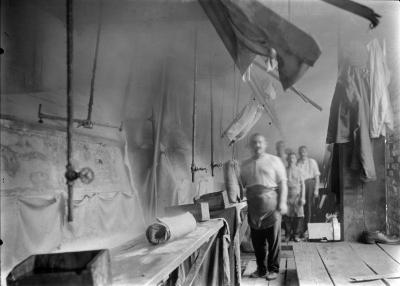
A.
pixel 381 115
pixel 243 123
pixel 349 118
pixel 248 28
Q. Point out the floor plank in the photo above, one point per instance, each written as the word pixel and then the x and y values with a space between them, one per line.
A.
pixel 310 268
pixel 392 250
pixel 291 273
pixel 378 260
pixel 342 263
pixel 282 274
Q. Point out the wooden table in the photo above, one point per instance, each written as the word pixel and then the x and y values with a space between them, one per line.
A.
pixel 336 262
pixel 140 263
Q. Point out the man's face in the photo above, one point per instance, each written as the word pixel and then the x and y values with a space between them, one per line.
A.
pixel 303 153
pixel 280 148
pixel 258 145
pixel 292 159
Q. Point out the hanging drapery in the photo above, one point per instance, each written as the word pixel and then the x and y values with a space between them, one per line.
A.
pixel 248 28
pixel 381 115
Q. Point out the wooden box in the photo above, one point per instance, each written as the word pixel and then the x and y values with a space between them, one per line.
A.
pixel 199 210
pixel 68 268
pixel 324 231
pixel 216 200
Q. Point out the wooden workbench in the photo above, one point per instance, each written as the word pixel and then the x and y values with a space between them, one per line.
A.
pixel 140 263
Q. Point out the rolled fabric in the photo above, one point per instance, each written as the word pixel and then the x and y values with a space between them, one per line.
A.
pixel 170 228
pixel 231 178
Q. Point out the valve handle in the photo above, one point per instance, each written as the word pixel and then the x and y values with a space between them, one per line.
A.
pixel 86 175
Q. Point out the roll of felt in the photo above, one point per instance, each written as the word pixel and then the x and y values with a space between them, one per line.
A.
pixel 231 178
pixel 170 228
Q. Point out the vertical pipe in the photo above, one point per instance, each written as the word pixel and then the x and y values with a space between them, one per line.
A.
pixel 70 112
pixel 194 105
pixel 212 122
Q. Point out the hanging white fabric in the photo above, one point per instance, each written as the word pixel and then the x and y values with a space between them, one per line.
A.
pixel 381 115
pixel 243 123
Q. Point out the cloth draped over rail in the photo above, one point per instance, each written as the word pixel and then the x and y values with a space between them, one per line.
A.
pixel 248 28
pixel 380 108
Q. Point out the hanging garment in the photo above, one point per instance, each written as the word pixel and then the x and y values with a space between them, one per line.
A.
pixel 381 115
pixel 242 124
pixel 248 28
pixel 348 118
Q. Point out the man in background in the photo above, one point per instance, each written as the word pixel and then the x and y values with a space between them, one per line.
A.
pixel 264 177
pixel 310 170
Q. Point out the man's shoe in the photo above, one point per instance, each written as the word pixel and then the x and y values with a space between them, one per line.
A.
pixel 258 274
pixel 297 239
pixel 378 237
pixel 272 276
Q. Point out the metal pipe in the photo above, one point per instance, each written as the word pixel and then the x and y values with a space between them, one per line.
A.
pixel 212 122
pixel 81 122
pixel 193 166
pixel 70 111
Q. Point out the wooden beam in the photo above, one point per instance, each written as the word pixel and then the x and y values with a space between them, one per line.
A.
pixel 375 277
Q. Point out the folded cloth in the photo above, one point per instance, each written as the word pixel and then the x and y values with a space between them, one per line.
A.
pixel 170 228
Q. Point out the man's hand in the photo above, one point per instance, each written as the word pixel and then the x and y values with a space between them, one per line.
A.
pixel 302 202
pixel 283 208
pixel 316 194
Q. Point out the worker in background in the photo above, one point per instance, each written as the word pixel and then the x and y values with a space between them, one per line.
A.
pixel 311 175
pixel 293 220
pixel 280 147
pixel 264 177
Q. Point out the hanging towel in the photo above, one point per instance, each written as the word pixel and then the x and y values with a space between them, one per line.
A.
pixel 242 124
pixel 381 115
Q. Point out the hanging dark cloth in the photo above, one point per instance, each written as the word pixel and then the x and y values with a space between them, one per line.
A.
pixel 349 118
pixel 248 28
pixel 358 9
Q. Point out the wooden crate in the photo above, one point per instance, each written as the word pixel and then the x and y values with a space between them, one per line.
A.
pixel 65 269
pixel 199 210
pixel 216 200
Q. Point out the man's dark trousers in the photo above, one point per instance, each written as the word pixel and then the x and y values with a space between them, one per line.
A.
pixel 267 241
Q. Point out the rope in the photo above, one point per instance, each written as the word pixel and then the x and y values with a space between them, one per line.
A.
pixel 96 53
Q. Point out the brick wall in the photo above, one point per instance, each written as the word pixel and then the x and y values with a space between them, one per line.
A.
pixel 393 183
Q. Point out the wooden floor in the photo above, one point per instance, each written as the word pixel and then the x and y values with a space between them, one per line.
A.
pixel 308 263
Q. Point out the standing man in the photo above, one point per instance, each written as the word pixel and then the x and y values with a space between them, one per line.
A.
pixel 264 177
pixel 281 151
pixel 311 174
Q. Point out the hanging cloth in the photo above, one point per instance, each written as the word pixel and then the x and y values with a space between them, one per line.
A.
pixel 243 123
pixel 381 115
pixel 348 119
pixel 249 28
